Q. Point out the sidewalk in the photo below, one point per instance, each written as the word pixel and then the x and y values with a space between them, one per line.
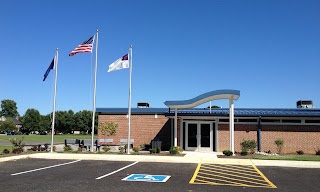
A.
pixel 190 157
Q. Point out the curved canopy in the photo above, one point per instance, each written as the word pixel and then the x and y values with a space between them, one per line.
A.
pixel 209 96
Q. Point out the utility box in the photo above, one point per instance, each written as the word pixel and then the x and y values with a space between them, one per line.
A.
pixel 156 143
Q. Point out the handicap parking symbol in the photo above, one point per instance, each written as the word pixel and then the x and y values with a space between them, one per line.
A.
pixel 147 178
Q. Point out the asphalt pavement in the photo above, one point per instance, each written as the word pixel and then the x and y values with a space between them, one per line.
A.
pixel 39 174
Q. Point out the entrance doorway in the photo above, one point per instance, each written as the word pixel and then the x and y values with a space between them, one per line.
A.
pixel 199 136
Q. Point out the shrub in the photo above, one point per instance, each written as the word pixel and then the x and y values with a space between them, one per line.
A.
pixel 244 153
pixel 300 152
pixel 175 150
pixel 67 148
pixel 5 151
pixel 318 151
pixel 279 143
pixel 106 148
pixel 153 150
pixel 227 152
pixel 142 146
pixel 158 150
pixel 121 149
pixel 34 148
pixel 17 151
pixel 54 148
pixel 17 145
pixel 248 145
pixel 135 149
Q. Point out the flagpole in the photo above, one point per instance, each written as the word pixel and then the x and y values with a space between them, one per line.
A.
pixel 94 92
pixel 54 97
pixel 129 102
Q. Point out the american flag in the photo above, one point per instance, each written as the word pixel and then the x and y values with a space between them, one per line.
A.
pixel 85 47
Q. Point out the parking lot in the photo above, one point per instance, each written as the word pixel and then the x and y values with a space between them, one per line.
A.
pixel 88 175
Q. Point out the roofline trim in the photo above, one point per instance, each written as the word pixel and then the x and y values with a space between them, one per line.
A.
pixel 203 98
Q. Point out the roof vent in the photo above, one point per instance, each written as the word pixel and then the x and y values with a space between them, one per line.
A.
pixel 304 104
pixel 142 105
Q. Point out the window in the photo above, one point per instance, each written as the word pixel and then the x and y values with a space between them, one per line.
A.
pixel 291 121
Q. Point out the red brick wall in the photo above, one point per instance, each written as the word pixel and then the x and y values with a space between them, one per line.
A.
pixel 143 129
pixel 296 137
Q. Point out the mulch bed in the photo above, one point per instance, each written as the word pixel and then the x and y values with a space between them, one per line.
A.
pixel 238 156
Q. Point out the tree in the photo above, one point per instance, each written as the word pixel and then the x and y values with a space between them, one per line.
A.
pixel 108 128
pixel 213 106
pixel 8 125
pixel 45 123
pixel 31 120
pixel 83 121
pixel 9 108
pixel 65 122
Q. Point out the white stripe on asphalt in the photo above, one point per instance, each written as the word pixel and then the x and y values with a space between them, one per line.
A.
pixel 45 168
pixel 117 170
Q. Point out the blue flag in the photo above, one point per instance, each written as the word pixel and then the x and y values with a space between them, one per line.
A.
pixel 48 70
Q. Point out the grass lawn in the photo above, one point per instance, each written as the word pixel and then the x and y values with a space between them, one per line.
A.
pixel 5 147
pixel 45 138
pixel 292 157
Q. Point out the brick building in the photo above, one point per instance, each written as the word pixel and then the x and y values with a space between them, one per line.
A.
pixel 216 129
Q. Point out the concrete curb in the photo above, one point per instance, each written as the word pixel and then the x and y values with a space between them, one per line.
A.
pixel 167 159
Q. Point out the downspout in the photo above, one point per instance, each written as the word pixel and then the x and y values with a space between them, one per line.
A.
pixel 259 134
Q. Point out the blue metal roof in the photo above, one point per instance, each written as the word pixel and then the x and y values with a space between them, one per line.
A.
pixel 238 112
pixel 203 98
pixel 250 112
pixel 133 110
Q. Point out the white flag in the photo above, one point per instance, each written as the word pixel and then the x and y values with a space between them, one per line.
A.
pixel 121 63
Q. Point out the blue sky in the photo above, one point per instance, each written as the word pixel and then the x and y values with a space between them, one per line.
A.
pixel 268 49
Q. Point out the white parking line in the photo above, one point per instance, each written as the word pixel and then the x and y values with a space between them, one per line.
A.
pixel 45 168
pixel 117 170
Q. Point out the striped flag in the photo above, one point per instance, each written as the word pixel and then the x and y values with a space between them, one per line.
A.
pixel 49 69
pixel 85 47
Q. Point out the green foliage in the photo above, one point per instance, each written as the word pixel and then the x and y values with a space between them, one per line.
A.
pixel 5 151
pixel 122 149
pixel 45 123
pixel 108 128
pixel 8 125
pixel 300 152
pixel 247 145
pixel 142 146
pixel 227 152
pixel 213 106
pixel 65 122
pixel 135 149
pixel 83 121
pixel 279 143
pixel 17 145
pixel 153 150
pixel 244 153
pixel 106 148
pixel 67 148
pixel 175 150
pixel 9 108
pixel 31 120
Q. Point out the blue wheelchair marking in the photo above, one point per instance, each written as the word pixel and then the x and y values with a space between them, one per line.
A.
pixel 147 178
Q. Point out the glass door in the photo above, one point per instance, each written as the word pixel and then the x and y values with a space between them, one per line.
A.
pixel 205 136
pixel 199 136
pixel 191 134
